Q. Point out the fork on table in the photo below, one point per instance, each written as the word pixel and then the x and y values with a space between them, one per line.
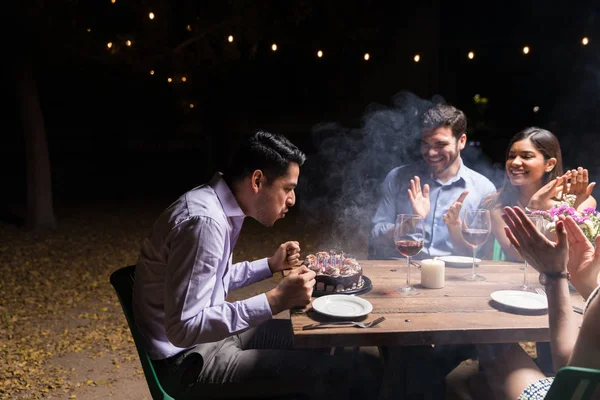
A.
pixel 338 324
pixel 542 292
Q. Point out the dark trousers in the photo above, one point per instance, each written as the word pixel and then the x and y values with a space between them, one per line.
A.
pixel 262 363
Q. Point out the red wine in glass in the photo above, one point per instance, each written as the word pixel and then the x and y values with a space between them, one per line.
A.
pixel 476 237
pixel 409 248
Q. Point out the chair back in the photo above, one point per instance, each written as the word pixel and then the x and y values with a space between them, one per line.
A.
pixel 122 282
pixel 575 383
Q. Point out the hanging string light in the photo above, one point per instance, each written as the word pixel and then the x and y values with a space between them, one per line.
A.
pixel 188 28
pixel 319 54
pixel 151 15
pixel 274 47
pixel 109 45
pixel 169 80
pixel 230 38
pixel 585 41
pixel 191 105
pixel 367 56
pixel 151 72
pixel 536 109
pixel 526 50
pixel 471 55
pixel 183 79
pixel 128 43
pixel 417 58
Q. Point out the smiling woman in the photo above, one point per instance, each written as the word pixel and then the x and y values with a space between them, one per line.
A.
pixel 534 180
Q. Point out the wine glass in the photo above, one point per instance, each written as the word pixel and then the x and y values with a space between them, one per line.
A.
pixel 409 235
pixel 540 223
pixel 476 227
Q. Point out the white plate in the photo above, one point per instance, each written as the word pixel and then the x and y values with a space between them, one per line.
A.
pixel 459 261
pixel 521 300
pixel 342 305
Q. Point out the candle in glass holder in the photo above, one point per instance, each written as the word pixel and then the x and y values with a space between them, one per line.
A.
pixel 433 273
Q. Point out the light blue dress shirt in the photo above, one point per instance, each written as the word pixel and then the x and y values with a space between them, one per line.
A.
pixel 394 200
pixel 184 273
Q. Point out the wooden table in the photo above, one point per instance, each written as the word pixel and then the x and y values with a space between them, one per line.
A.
pixel 460 313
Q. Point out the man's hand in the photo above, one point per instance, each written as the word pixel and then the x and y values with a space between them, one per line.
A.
pixel 542 199
pixel 452 217
pixel 543 254
pixel 419 199
pixel 584 260
pixel 286 257
pixel 295 290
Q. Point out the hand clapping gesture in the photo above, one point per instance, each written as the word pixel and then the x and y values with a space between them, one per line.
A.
pixel 543 254
pixel 419 199
pixel 543 198
pixel 579 186
pixel 452 217
pixel 584 260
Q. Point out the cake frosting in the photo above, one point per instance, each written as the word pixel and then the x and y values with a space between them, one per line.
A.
pixel 336 273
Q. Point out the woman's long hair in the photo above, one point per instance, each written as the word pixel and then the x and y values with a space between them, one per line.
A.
pixel 547 144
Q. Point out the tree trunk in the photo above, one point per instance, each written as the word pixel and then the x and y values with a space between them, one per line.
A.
pixel 40 209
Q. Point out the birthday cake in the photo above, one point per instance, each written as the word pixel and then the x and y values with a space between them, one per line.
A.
pixel 336 273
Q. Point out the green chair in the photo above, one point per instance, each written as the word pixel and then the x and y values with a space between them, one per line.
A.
pixel 575 383
pixel 122 282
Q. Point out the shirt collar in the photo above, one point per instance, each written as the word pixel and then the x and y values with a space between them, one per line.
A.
pixel 227 199
pixel 460 177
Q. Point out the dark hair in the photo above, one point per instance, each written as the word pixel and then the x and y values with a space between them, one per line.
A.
pixel 268 152
pixel 547 144
pixel 445 115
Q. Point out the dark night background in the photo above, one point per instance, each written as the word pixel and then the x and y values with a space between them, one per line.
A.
pixel 120 144
pixel 114 131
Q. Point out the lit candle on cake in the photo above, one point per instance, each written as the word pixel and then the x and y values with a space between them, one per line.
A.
pixel 432 273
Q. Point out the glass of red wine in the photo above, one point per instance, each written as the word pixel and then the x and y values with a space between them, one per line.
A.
pixel 476 227
pixel 409 235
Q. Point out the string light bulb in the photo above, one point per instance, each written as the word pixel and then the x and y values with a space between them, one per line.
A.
pixel 89 30
pixel 183 79
pixel 109 45
pixel 188 28
pixel 151 72
pixel 417 58
pixel 113 1
pixel 230 38
pixel 128 43
pixel 151 15
pixel 471 55
pixel 585 41
pixel 367 56
pixel 169 80
pixel 319 54
pixel 526 50
pixel 191 105
pixel 536 109
pixel 274 47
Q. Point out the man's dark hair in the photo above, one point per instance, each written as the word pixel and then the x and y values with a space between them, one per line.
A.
pixel 444 115
pixel 268 152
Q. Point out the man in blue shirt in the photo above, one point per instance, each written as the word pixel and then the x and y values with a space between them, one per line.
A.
pixel 449 185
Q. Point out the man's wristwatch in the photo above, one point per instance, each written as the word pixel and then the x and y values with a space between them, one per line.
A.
pixel 546 278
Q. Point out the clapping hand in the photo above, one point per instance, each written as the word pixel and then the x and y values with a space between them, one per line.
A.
pixel 584 260
pixel 419 199
pixel 542 199
pixel 452 217
pixel 543 254
pixel 578 185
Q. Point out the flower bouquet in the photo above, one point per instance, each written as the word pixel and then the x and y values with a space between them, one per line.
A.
pixel 587 219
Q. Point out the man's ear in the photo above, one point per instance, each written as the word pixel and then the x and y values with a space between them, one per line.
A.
pixel 462 141
pixel 550 164
pixel 257 179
